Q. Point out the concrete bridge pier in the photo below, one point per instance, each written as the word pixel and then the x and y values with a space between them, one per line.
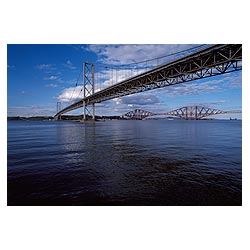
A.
pixel 88 113
pixel 57 118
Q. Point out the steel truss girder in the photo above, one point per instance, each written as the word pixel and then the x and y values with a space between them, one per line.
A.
pixel 196 112
pixel 138 114
pixel 187 113
pixel 212 61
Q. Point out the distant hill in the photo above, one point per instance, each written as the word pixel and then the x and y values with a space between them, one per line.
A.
pixel 32 118
pixel 63 117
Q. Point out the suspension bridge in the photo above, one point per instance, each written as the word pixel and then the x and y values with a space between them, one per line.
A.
pixel 186 113
pixel 105 82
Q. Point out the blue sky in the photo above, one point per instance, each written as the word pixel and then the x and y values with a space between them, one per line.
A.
pixel 41 75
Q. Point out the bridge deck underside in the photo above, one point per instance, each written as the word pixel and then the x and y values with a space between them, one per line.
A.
pixel 215 60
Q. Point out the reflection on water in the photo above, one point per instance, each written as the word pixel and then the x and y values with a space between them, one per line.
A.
pixel 124 163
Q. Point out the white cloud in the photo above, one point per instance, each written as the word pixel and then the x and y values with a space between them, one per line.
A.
pixel 60 80
pixel 234 80
pixel 71 94
pixel 69 65
pixel 189 89
pixel 72 81
pixel 220 83
pixel 130 53
pixel 45 67
pixel 120 106
pixel 106 77
pixel 139 99
pixel 51 78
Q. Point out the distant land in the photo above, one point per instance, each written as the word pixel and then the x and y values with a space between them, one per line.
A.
pixel 63 117
pixel 80 117
pixel 33 118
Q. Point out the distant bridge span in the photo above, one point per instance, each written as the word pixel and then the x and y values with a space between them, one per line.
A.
pixel 186 113
pixel 214 60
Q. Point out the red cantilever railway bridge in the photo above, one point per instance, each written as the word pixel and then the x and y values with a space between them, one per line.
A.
pixel 186 113
pixel 215 60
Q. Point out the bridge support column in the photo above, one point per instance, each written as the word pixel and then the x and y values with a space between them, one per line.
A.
pixel 93 89
pixel 84 111
pixel 88 89
pixel 93 111
pixel 57 118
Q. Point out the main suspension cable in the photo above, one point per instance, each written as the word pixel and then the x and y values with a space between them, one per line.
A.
pixel 75 85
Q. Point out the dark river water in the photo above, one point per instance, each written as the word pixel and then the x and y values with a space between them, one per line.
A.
pixel 152 162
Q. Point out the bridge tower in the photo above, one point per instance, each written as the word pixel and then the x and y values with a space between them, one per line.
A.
pixel 58 109
pixel 88 89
